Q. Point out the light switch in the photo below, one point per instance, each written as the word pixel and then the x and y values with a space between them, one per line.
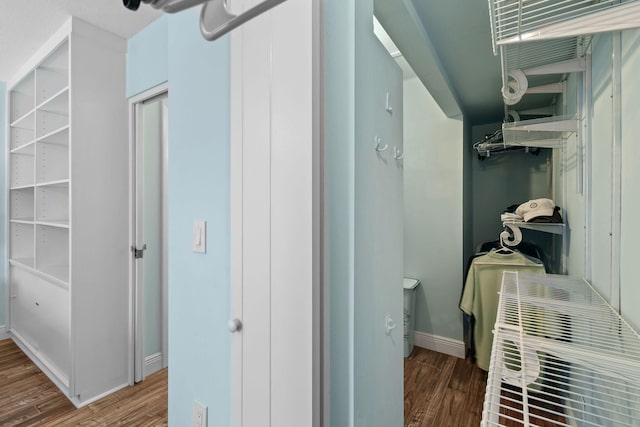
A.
pixel 199 242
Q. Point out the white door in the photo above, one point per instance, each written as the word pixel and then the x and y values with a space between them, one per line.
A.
pixel 149 251
pixel 275 217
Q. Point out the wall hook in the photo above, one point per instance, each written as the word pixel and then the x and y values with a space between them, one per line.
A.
pixel 388 107
pixel 397 154
pixel 379 148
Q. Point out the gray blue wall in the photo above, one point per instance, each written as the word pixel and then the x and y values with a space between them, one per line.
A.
pixel 433 188
pixel 3 207
pixel 604 99
pixel 340 177
pixel 364 222
pixel 500 181
pixel 198 75
pixel 630 291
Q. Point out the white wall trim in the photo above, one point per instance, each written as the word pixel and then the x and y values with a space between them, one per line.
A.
pixel 152 363
pixel 4 335
pixel 440 344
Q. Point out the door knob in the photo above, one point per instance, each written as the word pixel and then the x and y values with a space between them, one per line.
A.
pixel 234 325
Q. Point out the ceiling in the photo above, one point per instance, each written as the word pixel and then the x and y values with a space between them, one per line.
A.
pixel 458 31
pixel 25 25
pixel 461 35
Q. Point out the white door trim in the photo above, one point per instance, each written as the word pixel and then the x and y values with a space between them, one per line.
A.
pixel 136 358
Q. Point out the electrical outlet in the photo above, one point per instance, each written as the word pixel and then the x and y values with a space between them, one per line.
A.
pixel 199 417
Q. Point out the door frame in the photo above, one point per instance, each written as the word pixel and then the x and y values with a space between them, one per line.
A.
pixel 136 356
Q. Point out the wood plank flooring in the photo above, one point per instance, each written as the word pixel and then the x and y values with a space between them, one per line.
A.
pixel 442 390
pixel 28 398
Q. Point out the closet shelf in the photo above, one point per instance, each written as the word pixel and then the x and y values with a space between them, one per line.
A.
pixel 54 223
pixel 23 121
pixel 24 263
pixel 518 21
pixel 57 183
pixel 548 132
pixel 56 136
pixel 560 349
pixel 27 264
pixel 24 149
pixel 21 187
pixel 27 221
pixel 58 103
pixel 546 227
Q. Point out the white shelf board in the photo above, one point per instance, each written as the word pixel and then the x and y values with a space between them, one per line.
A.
pixel 546 227
pixel 24 148
pixel 52 274
pixel 59 183
pixel 63 223
pixel 56 136
pixel 21 187
pixel 24 263
pixel 58 103
pixel 55 273
pixel 28 221
pixel 21 121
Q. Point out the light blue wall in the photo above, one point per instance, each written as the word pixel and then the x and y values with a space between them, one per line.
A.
pixel 198 72
pixel 340 183
pixel 600 176
pixel 630 290
pixel 199 135
pixel 501 181
pixel 467 192
pixel 364 222
pixel 433 205
pixel 147 60
pixel 3 207
pixel 378 231
pixel 601 164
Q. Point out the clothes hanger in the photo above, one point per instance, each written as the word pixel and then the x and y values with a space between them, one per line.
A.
pixel 504 249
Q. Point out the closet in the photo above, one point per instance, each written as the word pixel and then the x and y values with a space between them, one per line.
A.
pixel 562 353
pixel 68 211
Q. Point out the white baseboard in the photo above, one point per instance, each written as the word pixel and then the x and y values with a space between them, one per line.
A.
pixel 4 335
pixel 440 344
pixel 152 364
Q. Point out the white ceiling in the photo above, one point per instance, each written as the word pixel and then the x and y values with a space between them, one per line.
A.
pixel 25 25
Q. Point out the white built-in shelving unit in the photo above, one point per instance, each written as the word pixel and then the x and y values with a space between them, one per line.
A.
pixel 68 169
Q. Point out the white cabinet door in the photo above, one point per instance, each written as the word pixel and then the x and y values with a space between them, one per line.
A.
pixel 40 315
pixel 274 161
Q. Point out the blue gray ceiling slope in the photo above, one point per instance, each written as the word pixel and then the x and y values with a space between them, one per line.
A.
pixel 448 44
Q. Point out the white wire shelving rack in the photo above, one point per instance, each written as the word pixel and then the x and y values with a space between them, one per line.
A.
pixel 561 356
pixel 515 21
pixel 547 132
pixel 532 34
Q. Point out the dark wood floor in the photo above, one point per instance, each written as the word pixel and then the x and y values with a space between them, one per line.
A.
pixel 442 390
pixel 28 398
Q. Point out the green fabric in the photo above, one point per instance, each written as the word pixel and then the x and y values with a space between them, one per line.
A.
pixel 480 296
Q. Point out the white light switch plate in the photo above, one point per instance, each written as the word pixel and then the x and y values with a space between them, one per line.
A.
pixel 199 416
pixel 199 242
